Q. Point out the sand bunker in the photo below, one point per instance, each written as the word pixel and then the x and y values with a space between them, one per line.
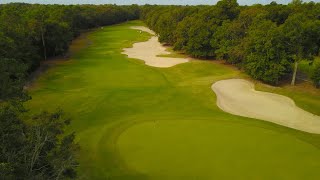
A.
pixel 237 96
pixel 148 51
pixel 142 28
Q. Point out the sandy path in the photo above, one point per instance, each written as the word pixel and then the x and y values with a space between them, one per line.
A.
pixel 237 96
pixel 148 51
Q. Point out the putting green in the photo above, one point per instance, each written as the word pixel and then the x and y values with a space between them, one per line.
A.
pixel 207 149
pixel 139 122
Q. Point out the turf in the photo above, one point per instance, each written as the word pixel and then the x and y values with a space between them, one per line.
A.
pixel 139 122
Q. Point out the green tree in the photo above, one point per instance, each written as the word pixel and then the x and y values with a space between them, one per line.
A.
pixel 229 41
pixel 182 33
pixel 266 58
pixel 167 23
pixel 228 8
pixel 302 38
pixel 12 140
pixel 277 13
pixel 229 37
pixel 50 153
pixel 296 2
pixel 12 79
pixel 200 34
pixel 35 148
pixel 37 24
pixel 16 42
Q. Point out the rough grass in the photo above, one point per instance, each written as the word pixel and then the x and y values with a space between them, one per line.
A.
pixel 139 122
pixel 173 54
pixel 307 67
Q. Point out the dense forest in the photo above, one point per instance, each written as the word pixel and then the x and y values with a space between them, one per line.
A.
pixel 267 42
pixel 37 147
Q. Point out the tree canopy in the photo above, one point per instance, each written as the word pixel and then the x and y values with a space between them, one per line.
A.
pixel 267 42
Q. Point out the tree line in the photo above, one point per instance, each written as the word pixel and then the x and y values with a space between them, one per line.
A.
pixel 266 41
pixel 37 146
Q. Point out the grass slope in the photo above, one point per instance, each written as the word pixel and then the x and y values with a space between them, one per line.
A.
pixel 138 122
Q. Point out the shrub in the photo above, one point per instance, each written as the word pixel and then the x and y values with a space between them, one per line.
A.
pixel 315 76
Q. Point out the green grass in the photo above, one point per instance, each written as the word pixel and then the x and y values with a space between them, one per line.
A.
pixel 139 122
pixel 173 54
pixel 306 67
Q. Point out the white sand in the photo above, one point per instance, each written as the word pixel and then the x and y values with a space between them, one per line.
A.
pixel 237 96
pixel 148 51
pixel 142 28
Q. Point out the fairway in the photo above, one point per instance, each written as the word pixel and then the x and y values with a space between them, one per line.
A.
pixel 134 121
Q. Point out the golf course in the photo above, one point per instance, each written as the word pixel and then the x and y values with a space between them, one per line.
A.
pixel 134 120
